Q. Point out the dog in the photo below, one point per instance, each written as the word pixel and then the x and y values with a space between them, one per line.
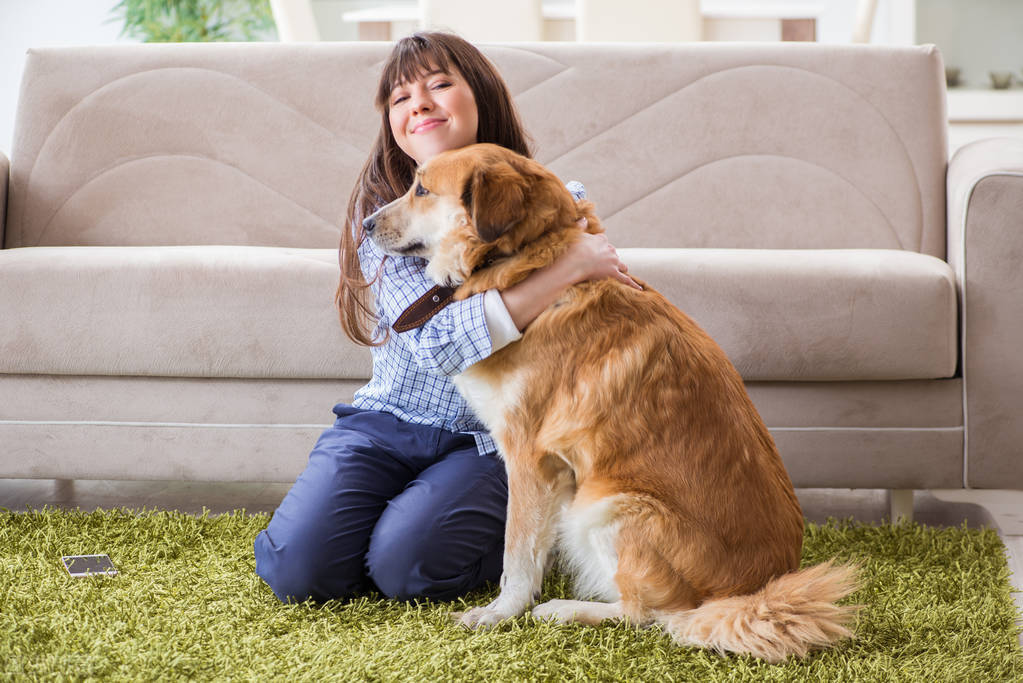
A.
pixel 629 439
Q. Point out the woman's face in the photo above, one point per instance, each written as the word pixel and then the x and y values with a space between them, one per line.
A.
pixel 432 114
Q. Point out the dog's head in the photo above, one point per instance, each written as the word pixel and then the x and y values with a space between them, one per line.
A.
pixel 470 204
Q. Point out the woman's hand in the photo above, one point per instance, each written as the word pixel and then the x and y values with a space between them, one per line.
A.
pixel 593 257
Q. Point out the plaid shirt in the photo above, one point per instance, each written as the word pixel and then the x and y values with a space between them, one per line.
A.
pixel 412 371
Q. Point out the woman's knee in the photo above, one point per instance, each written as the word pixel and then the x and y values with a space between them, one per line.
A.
pixel 399 565
pixel 420 561
pixel 443 535
pixel 297 571
pixel 315 542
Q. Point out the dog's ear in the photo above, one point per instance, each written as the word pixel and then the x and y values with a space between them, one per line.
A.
pixel 495 197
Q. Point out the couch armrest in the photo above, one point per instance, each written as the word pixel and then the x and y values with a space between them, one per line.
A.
pixel 985 248
pixel 5 176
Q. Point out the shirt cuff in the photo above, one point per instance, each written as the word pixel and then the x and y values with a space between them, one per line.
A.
pixel 499 321
pixel 577 189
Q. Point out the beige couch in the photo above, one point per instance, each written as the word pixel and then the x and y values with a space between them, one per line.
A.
pixel 173 212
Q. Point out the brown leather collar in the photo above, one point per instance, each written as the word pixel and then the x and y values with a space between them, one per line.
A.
pixel 424 308
pixel 432 302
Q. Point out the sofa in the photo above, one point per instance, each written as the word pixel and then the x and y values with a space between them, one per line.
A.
pixel 172 218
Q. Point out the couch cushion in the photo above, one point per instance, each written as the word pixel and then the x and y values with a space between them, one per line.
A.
pixel 211 311
pixel 828 314
pixel 268 311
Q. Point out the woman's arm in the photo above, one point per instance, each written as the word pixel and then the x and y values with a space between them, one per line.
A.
pixel 591 258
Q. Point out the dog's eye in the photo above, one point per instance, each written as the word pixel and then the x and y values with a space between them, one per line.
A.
pixel 421 191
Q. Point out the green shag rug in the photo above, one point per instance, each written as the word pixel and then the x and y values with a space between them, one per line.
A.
pixel 188 605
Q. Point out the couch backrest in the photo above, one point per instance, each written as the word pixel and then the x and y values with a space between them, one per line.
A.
pixel 691 145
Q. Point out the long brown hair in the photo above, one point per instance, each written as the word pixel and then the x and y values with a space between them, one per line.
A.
pixel 388 172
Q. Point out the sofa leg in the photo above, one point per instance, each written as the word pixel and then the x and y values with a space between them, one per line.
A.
pixel 63 490
pixel 900 505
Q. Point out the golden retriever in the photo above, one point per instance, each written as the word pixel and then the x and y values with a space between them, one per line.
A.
pixel 629 439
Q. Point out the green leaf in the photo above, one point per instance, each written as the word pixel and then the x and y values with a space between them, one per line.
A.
pixel 161 21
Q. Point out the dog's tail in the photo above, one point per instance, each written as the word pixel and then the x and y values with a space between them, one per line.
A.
pixel 791 615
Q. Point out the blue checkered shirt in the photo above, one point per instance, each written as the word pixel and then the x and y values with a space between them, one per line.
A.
pixel 412 371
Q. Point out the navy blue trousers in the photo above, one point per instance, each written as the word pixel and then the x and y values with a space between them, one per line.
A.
pixel 408 510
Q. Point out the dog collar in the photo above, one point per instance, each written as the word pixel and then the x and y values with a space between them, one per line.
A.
pixel 424 308
pixel 431 303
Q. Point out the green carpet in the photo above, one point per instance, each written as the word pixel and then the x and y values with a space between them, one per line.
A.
pixel 188 605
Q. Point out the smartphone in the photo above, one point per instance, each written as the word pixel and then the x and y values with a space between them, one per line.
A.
pixel 89 565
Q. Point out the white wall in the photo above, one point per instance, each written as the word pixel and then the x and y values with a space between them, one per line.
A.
pixel 988 37
pixel 36 23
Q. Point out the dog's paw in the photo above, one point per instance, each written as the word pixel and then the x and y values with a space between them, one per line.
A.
pixel 559 611
pixel 578 611
pixel 444 273
pixel 480 617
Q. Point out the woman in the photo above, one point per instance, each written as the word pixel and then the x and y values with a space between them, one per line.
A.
pixel 405 493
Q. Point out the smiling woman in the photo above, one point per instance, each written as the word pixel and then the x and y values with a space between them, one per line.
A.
pixel 405 493
pixel 390 170
pixel 433 113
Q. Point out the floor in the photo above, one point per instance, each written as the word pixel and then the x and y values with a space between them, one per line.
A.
pixel 1002 510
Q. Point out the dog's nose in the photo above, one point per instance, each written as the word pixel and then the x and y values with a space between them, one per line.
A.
pixel 369 223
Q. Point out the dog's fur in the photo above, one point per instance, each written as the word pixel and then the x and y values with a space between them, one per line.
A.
pixel 628 435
